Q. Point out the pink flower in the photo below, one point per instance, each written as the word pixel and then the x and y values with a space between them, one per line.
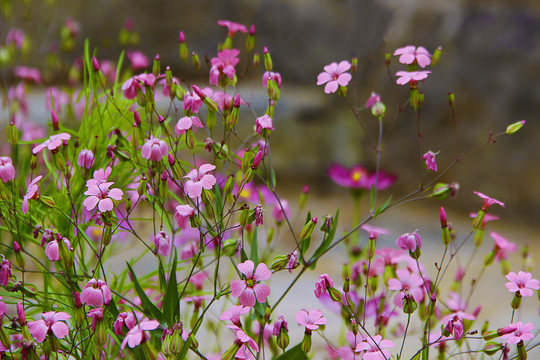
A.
pixel 97 317
pixel 154 149
pixel 52 143
pixel 162 243
pixel 373 99
pixel 102 196
pixel 96 293
pixel 409 241
pixel 86 159
pixel 335 75
pixel 264 123
pixel 523 332
pixel 234 313
pixel 138 60
pixel 183 213
pixel 280 324
pixel 407 282
pixel 374 231
pixel 375 348
pixel 310 320
pixel 411 76
pixel 7 171
pixel 53 252
pixel 100 176
pixel 250 288
pixel 5 272
pixel 186 123
pixel 199 179
pixel 293 261
pixel 410 54
pixel 16 37
pixel 522 282
pixel 502 246
pixel 232 27
pixel 130 87
pixel 280 212
pixel 488 201
pixel 28 73
pixel 52 322
pixel 193 102
pixel 429 158
pixel 138 333
pixel 322 284
pixel 126 318
pixel 358 177
pixel 270 75
pixel 223 65
pixel 244 338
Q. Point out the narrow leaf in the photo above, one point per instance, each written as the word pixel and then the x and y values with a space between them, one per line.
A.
pixel 147 304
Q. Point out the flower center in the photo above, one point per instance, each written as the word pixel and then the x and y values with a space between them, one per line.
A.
pixel 250 283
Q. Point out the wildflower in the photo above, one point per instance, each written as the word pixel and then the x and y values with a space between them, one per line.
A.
pixel 358 177
pixel 193 102
pixel 102 197
pixel 16 37
pixel 250 288
pixel 259 215
pixel 321 286
pixel 375 348
pixel 270 75
pixel 488 201
pixel 264 123
pixel 86 159
pixel 52 322
pixel 233 314
pixel 335 75
pixel 407 282
pixel 429 158
pixel 373 99
pixel 502 246
pixel 28 73
pixel 223 65
pixel 410 54
pixel 310 320
pixel 130 87
pixel 138 334
pixel 52 250
pixel 97 317
pixel 280 211
pixel 100 176
pixel 7 171
pixel 96 293
pixel 186 123
pixel 374 231
pixel 293 261
pixel 199 179
pixel 5 272
pixel 124 318
pixel 52 143
pixel 409 241
pixel 138 60
pixel 183 213
pixel 154 149
pixel 232 27
pixel 522 283
pixel 162 243
pixel 411 76
pixel 523 332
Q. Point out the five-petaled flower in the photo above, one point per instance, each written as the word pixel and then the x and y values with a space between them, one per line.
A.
pixel 406 77
pixel 52 322
pixel 186 123
pixel 32 192
pixel 199 179
pixel 223 65
pixel 311 320
pixel 488 201
pixel 409 241
pixel 410 54
pixel 102 196
pixel 183 213
pixel 358 177
pixel 138 334
pixel 375 348
pixel 52 143
pixel 523 332
pixel 521 282
pixel 250 288
pixel 335 75
pixel 232 27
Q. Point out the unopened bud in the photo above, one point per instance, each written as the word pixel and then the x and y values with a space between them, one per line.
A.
pixel 267 59
pixel 451 99
pixel 55 122
pixel 513 128
pixel 387 59
pixel 354 64
pixel 436 56
pixel 95 64
pixel 256 60
pixel 196 60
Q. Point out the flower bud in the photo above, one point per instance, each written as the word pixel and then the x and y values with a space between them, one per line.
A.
pixel 267 59
pixel 387 59
pixel 95 64
pixel 250 41
pixel 378 109
pixel 196 60
pixel 436 56
pixel 54 119
pixel 229 247
pixel 306 342
pixel 513 128
pixel 451 99
pixel 182 47
pixel 491 348
pixel 256 60
pixel 308 228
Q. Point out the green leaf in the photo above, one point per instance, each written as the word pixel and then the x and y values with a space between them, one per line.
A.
pixel 147 304
pixel 383 207
pixel 161 276
pixel 372 195
pixel 171 303
pixel 254 253
pixel 296 353
pixel 304 245
pixel 327 240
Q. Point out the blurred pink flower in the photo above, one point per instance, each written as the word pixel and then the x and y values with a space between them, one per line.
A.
pixel 162 244
pixel 52 322
pixel 429 158
pixel 96 293
pixel 374 231
pixel 154 149
pixel 521 282
pixel 232 27
pixel 335 75
pixel 234 313
pixel 274 76
pixel 502 246
pixel 102 197
pixel 186 123
pixel 250 288
pixel 488 201
pixel 407 282
pixel 523 332
pixel 199 179
pixel 7 171
pixel 358 177
pixel 244 338
pixel 130 87
pixel 52 143
pixel 28 73
pixel 409 241
pixel 138 334
pixel 322 284
pixel 410 54
pixel 407 76
pixel 138 60
pixel 311 320
pixel 193 102
pixel 280 214
pixel 375 348
pixel 5 272
pixel 16 37
pixel 373 99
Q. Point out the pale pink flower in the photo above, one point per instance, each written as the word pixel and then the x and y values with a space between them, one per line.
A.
pixel 223 65
pixel 130 87
pixel 96 293
pixel 154 149
pixel 407 282
pixel 280 212
pixel 52 143
pixel 407 76
pixel 487 218
pixel 183 213
pixel 53 252
pixel 521 282
pixel 186 123
pixel 375 348
pixel 5 272
pixel 138 60
pixel 7 171
pixel 147 79
pixel 232 27
pixel 86 159
pixel 102 197
pixel 335 75
pixel 429 158
pixel 488 201
pixel 28 73
pixel 199 179
pixel 264 123
pixel 100 176
pixel 244 338
pixel 270 75
pixel 162 243
pixel 52 322
pixel 523 333
pixel 410 54
pixel 311 320
pixel 234 313
pixel 16 37
pixel 138 334
pixel 250 288
pixel 322 284
pixel 502 246
pixel 374 231
pixel 409 241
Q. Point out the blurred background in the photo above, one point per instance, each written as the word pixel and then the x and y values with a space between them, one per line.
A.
pixel 490 60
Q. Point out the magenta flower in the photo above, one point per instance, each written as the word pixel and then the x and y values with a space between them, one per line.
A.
pixel 523 332
pixel 311 320
pixel 270 75
pixel 234 313
pixel 410 54
pixel 7 171
pixel 244 338
pixel 358 177
pixel 96 293
pixel 138 334
pixel 502 246
pixel 411 76
pixel 53 252
pixel 375 348
pixel 154 149
pixel 5 272
pixel 86 159
pixel 264 123
pixel 162 243
pixel 407 282
pixel 130 87
pixel 124 318
pixel 199 179
pixel 183 213
pixel 186 123
pixel 374 231
pixel 193 102
pixel 16 37
pixel 52 143
pixel 223 65
pixel 409 241
pixel 102 197
pixel 97 317
pixel 280 213
pixel 138 60
pixel 335 75
pixel 373 99
pixel 488 201
pixel 28 73
pixel 322 284
pixel 280 324
pixel 429 158
pixel 521 282
pixel 232 27
pixel 250 288
pixel 52 323
pixel 293 261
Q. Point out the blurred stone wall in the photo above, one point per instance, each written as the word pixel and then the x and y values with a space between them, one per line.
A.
pixel 491 61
